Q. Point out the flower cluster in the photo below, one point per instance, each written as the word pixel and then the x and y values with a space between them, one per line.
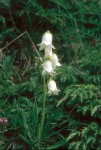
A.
pixel 3 121
pixel 51 61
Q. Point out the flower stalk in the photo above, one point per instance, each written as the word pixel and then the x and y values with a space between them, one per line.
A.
pixel 49 65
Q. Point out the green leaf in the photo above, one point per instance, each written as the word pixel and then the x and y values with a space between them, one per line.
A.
pixel 35 114
pixel 57 145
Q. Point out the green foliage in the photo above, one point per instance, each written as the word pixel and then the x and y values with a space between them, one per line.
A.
pixel 88 137
pixel 72 119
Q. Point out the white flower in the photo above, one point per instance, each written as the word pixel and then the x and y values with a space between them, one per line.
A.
pixel 48 51
pixel 52 88
pixel 47 38
pixel 46 41
pixel 54 60
pixel 47 66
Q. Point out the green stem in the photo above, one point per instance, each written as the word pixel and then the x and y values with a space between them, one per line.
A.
pixel 43 111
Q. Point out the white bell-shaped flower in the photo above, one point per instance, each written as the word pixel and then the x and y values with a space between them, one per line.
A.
pixel 47 66
pixel 47 38
pixel 46 41
pixel 52 88
pixel 54 60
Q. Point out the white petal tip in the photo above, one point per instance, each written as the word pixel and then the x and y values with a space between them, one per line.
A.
pixel 53 47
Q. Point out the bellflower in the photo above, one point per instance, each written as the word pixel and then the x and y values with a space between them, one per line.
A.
pixel 46 41
pixel 52 88
pixel 54 60
pixel 50 63
pixel 48 51
pixel 47 66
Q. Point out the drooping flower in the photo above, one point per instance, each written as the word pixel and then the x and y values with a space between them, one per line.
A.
pixel 46 41
pixel 54 60
pixel 52 88
pixel 47 66
pixel 51 61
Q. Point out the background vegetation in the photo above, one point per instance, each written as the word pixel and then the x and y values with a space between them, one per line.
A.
pixel 73 118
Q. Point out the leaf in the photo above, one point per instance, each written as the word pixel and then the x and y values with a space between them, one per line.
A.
pixel 24 138
pixel 72 135
pixel 35 114
pixel 57 145
pixel 60 101
pixel 94 110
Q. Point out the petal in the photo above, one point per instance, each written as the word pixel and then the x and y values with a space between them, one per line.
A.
pixel 58 64
pixel 42 46
pixel 44 72
pixel 52 88
pixel 46 41
pixel 47 65
pixel 48 51
pixel 56 92
pixel 50 92
pixel 54 60
pixel 52 46
pixel 52 85
pixel 47 38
